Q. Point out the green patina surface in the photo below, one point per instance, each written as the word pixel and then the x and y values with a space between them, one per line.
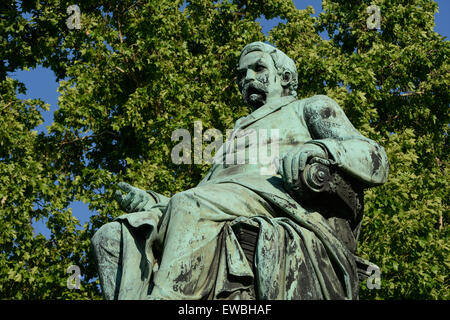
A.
pixel 185 247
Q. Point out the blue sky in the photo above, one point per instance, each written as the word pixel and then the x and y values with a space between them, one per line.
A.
pixel 41 83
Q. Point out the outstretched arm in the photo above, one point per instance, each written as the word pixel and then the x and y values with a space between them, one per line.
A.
pixel 136 200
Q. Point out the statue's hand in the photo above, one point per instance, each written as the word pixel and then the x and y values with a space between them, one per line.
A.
pixel 134 200
pixel 296 161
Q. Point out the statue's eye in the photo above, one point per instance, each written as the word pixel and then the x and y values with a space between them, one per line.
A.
pixel 260 68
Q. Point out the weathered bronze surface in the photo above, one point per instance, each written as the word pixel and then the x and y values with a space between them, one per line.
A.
pixel 283 229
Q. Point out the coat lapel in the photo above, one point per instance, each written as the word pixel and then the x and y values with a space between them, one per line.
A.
pixel 262 112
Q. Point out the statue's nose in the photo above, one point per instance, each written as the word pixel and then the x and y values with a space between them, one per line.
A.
pixel 250 75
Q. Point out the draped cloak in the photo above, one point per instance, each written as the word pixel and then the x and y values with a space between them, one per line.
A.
pixel 184 247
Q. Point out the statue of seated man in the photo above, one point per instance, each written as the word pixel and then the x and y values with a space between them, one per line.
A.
pixel 196 244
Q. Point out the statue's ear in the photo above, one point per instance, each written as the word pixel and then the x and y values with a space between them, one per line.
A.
pixel 286 78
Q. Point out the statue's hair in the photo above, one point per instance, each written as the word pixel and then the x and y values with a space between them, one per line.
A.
pixel 281 61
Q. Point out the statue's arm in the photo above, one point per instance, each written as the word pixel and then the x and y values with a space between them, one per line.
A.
pixel 355 154
pixel 135 199
pixel 158 198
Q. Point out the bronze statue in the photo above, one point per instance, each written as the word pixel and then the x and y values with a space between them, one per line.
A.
pixel 289 233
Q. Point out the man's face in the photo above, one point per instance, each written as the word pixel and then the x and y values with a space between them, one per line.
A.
pixel 258 79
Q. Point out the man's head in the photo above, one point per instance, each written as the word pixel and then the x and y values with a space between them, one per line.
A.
pixel 265 73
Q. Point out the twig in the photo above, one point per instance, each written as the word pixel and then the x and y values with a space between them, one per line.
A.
pixel 411 93
pixel 5 107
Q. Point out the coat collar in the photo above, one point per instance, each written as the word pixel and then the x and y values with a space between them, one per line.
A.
pixel 263 111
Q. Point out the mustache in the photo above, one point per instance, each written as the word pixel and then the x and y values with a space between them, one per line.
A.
pixel 253 86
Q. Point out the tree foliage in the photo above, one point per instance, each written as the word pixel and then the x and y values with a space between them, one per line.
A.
pixel 138 70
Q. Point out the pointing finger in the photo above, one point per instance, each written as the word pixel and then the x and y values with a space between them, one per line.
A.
pixel 125 186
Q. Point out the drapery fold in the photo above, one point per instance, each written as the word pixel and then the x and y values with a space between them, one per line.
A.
pixel 297 257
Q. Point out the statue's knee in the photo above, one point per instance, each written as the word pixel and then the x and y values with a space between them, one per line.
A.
pixel 107 237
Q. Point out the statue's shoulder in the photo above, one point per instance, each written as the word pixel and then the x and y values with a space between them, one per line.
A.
pixel 320 105
pixel 296 104
pixel 313 100
pixel 312 103
pixel 319 101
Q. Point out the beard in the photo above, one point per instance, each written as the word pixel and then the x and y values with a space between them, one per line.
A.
pixel 254 94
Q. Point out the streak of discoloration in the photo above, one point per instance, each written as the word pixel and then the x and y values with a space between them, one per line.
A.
pixel 376 161
pixel 325 113
pixel 291 140
pixel 185 275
